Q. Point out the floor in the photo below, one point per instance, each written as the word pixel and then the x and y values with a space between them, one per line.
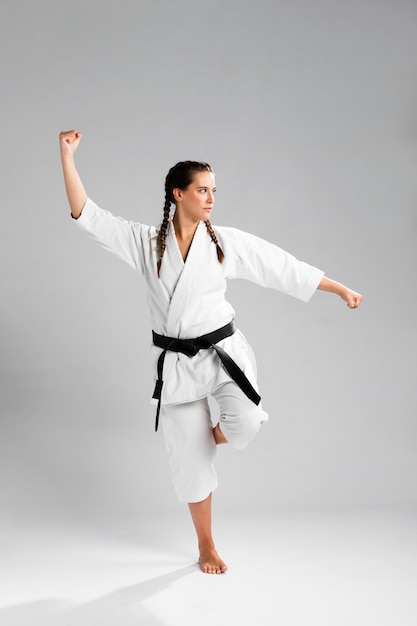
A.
pixel 287 569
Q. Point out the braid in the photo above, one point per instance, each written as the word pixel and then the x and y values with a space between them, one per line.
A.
pixel 210 230
pixel 162 232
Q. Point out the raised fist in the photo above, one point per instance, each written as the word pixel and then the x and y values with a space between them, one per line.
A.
pixel 69 140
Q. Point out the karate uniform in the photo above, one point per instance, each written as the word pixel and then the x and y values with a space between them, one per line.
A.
pixel 187 301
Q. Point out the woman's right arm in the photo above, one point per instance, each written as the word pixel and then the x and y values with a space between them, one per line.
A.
pixel 121 237
pixel 77 196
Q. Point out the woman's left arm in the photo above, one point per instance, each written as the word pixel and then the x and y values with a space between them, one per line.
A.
pixel 352 298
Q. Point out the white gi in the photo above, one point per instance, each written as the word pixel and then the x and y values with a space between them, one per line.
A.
pixel 187 301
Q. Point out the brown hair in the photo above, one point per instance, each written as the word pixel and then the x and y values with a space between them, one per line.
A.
pixel 181 176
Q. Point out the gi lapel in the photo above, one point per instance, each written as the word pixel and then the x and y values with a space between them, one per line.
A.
pixel 173 264
pixel 186 281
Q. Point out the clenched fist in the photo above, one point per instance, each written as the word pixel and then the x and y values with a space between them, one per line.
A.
pixel 69 141
pixel 352 299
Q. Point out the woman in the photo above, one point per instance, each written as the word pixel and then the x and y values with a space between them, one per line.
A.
pixel 197 351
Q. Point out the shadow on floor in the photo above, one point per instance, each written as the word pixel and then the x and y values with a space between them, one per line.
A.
pixel 123 607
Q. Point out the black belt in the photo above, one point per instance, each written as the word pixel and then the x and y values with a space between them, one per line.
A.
pixel 190 347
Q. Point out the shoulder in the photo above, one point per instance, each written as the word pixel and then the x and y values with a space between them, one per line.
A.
pixel 229 232
pixel 235 236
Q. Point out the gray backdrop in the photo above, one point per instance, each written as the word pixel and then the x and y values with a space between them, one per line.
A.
pixel 307 112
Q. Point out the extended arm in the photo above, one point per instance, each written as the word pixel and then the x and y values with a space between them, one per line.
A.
pixel 352 298
pixel 77 196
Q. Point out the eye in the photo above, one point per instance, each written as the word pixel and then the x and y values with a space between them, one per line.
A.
pixel 203 189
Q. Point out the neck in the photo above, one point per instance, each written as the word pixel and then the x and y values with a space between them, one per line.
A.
pixel 184 229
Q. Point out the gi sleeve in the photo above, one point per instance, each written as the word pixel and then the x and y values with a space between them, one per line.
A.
pixel 121 237
pixel 268 265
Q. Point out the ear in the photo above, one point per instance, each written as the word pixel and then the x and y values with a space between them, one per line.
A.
pixel 177 193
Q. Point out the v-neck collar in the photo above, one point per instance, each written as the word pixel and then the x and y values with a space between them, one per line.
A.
pixel 176 246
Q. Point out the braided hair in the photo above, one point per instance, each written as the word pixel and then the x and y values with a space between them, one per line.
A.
pixel 181 176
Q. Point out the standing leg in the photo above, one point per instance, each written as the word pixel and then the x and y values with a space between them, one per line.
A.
pixel 192 449
pixel 209 560
pixel 191 445
pixel 240 420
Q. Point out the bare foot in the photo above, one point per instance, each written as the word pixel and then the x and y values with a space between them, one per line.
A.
pixel 210 562
pixel 218 435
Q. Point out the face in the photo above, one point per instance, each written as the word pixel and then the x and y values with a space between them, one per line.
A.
pixel 195 203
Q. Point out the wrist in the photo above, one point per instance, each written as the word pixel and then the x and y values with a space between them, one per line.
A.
pixel 66 154
pixel 344 293
pixel 327 284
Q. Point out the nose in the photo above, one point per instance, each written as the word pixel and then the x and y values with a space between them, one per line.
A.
pixel 210 197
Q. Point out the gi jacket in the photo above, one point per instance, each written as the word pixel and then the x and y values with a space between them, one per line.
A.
pixel 188 300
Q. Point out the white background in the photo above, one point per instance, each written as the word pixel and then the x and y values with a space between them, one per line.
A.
pixel 306 111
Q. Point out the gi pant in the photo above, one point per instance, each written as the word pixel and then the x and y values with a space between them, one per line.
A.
pixel 189 439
